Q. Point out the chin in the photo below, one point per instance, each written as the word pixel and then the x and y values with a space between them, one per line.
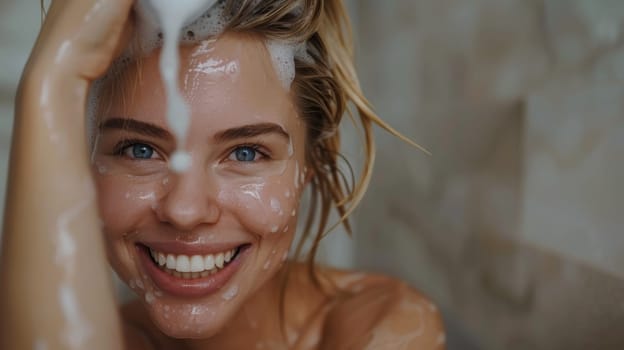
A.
pixel 188 320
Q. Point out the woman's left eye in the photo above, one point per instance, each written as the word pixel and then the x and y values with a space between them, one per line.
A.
pixel 245 154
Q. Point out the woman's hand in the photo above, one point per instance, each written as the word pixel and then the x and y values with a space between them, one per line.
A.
pixel 80 38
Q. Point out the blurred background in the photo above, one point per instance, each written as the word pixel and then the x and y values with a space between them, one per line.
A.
pixel 515 224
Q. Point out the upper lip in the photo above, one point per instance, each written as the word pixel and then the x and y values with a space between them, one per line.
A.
pixel 177 247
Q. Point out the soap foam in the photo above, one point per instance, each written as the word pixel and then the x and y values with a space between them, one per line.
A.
pixel 159 22
pixel 283 58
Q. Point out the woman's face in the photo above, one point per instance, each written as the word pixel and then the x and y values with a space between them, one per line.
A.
pixel 196 245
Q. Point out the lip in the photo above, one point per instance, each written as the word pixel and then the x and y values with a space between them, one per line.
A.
pixel 177 247
pixel 190 288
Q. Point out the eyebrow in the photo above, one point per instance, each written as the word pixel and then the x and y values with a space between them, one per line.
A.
pixel 136 126
pixel 148 129
pixel 250 130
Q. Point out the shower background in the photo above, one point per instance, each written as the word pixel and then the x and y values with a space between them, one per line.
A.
pixel 515 224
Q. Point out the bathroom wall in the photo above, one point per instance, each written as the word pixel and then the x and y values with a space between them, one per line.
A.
pixel 513 224
pixel 19 23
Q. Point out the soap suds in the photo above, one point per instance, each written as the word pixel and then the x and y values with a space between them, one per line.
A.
pixel 297 175
pixel 230 293
pixel 77 330
pixel 149 297
pixel 140 284
pixel 275 204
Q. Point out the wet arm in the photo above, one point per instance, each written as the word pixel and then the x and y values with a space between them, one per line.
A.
pixel 56 289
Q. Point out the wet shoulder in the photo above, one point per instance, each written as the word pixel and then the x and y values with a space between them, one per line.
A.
pixel 379 312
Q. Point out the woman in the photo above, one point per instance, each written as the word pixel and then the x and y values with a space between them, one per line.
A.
pixel 204 249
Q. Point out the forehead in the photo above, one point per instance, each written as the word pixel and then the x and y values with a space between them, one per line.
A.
pixel 230 79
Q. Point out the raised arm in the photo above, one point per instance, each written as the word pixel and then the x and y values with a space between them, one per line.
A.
pixel 55 287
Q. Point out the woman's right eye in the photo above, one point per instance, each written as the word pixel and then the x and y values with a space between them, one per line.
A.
pixel 139 151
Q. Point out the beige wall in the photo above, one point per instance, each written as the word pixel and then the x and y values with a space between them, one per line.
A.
pixel 514 224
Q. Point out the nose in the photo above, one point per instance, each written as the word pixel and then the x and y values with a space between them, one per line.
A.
pixel 190 201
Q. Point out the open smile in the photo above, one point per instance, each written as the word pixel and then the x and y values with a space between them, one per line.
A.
pixel 192 274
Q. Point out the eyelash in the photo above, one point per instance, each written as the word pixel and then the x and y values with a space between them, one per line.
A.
pixel 264 155
pixel 122 146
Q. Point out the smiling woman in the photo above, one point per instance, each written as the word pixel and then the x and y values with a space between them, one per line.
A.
pixel 205 249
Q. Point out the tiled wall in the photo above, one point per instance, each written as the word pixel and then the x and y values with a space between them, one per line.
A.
pixel 514 224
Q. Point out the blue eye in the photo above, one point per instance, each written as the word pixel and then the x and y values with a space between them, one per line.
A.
pixel 244 154
pixel 139 151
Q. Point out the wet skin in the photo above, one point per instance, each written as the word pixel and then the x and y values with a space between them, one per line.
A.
pixel 241 191
pixel 60 298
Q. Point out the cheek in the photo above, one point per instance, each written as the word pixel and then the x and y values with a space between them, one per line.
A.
pixel 265 206
pixel 123 203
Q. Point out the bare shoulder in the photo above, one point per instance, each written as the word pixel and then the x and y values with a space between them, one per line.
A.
pixel 380 312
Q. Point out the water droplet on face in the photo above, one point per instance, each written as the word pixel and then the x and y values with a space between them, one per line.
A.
pixel 230 293
pixel 149 297
pixel 101 169
pixel 297 175
pixel 275 204
pixel 139 284
pixel 290 147
pixel 274 228
pixel 267 265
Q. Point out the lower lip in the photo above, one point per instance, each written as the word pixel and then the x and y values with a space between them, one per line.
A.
pixel 189 288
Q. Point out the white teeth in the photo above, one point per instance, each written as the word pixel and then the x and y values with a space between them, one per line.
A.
pixel 219 260
pixel 171 262
pixel 194 266
pixel 197 263
pixel 162 260
pixel 183 264
pixel 209 262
